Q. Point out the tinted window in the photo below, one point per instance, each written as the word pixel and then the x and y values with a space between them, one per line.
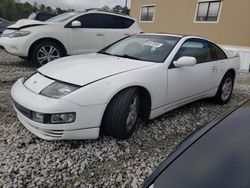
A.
pixel 217 53
pixel 116 22
pixel 195 48
pixel 91 20
pixel 44 16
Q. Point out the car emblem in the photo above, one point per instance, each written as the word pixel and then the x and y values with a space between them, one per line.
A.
pixel 35 82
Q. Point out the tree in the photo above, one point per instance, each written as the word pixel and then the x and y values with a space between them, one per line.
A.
pixel 105 8
pixel 117 9
pixel 14 10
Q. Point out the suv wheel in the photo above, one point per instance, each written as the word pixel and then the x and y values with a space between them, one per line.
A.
pixel 45 52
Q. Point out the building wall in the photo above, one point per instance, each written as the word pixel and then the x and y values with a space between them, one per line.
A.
pixel 177 16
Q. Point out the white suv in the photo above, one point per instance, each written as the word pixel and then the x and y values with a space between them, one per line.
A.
pixel 67 34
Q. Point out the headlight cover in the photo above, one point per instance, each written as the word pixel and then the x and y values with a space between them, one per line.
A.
pixel 18 34
pixel 58 90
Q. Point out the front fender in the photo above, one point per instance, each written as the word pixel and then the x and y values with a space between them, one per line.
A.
pixel 153 79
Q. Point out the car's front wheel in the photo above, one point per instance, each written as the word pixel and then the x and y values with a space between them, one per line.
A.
pixel 225 89
pixel 45 52
pixel 121 115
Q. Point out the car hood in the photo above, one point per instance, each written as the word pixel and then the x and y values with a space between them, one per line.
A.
pixel 84 69
pixel 24 23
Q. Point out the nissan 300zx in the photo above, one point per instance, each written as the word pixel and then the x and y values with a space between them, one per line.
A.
pixel 139 77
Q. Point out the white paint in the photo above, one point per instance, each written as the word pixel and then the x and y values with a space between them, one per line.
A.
pixel 104 76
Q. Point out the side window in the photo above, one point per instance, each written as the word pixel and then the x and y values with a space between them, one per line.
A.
pixel 217 53
pixel 43 16
pixel 116 22
pixel 197 48
pixel 90 20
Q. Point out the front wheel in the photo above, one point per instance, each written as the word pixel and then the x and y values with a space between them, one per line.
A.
pixel 121 115
pixel 45 52
pixel 225 89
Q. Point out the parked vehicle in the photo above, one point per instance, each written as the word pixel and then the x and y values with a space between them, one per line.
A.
pixel 141 76
pixel 215 156
pixel 41 16
pixel 67 34
pixel 3 24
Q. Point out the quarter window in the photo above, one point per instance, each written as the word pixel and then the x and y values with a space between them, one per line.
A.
pixel 147 13
pixel 217 53
pixel 208 11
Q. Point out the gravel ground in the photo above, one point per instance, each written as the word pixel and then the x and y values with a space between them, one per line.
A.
pixel 27 161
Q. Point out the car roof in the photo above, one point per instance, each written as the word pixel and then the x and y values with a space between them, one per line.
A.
pixel 215 156
pixel 97 10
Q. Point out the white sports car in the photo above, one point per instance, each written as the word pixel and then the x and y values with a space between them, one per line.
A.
pixel 142 76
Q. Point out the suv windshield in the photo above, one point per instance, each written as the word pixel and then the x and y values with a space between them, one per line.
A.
pixel 63 17
pixel 154 48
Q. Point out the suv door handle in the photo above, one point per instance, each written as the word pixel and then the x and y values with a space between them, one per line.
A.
pixel 126 34
pixel 215 69
pixel 99 34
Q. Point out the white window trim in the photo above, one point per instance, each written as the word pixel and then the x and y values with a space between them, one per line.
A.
pixel 148 5
pixel 207 22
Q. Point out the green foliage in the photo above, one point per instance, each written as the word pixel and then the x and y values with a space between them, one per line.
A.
pixel 14 10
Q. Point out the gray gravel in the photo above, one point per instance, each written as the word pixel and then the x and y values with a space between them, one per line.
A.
pixel 27 161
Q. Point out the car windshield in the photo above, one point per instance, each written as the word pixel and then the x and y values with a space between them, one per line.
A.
pixel 62 17
pixel 153 48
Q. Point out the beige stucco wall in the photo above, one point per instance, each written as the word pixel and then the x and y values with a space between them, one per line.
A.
pixel 177 16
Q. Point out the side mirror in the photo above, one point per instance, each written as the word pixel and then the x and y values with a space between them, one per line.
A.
pixel 185 61
pixel 76 24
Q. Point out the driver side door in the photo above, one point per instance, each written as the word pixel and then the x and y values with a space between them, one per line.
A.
pixel 87 38
pixel 187 83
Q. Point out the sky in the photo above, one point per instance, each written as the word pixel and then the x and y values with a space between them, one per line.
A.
pixel 79 4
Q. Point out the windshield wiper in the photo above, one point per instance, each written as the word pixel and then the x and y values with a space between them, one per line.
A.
pixel 124 56
pixel 128 56
pixel 105 53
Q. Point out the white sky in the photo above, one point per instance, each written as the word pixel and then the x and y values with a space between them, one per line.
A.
pixel 79 4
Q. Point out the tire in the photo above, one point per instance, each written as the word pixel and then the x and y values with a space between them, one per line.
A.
pixel 225 89
pixel 45 52
pixel 121 115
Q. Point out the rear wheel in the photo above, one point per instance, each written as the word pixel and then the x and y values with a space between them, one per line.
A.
pixel 225 89
pixel 45 52
pixel 121 115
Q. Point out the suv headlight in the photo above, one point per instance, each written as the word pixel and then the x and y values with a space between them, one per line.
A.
pixel 18 34
pixel 58 90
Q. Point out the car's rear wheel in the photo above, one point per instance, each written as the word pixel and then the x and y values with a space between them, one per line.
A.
pixel 45 52
pixel 225 89
pixel 121 115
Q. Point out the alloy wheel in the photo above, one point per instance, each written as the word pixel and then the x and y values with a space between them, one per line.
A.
pixel 47 53
pixel 226 89
pixel 133 113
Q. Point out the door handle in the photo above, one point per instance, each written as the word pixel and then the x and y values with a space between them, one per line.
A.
pixel 99 34
pixel 214 69
pixel 126 34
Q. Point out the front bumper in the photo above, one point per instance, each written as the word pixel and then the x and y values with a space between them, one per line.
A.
pixel 86 125
pixel 16 46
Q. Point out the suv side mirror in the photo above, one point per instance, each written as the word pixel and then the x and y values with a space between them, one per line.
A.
pixel 185 61
pixel 76 24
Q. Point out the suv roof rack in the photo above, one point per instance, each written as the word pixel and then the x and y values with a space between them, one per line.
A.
pixel 101 10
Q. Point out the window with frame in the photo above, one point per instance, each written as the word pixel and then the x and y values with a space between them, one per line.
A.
pixel 197 48
pixel 208 11
pixel 147 13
